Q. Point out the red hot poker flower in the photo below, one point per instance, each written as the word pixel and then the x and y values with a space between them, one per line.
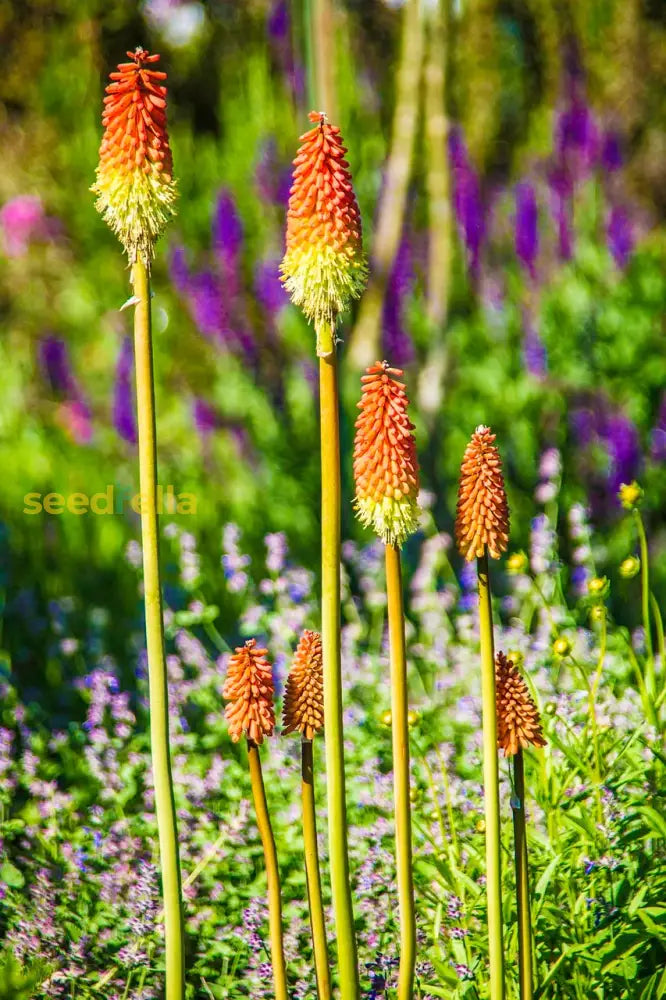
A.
pixel 134 185
pixel 385 462
pixel 249 690
pixel 324 266
pixel 303 709
pixel 482 514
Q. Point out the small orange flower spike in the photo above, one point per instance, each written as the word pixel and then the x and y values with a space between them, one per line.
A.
pixel 249 690
pixel 303 709
pixel 482 514
pixel 134 187
pixel 385 462
pixel 324 267
pixel 518 721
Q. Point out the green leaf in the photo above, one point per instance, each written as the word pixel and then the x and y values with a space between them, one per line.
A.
pixel 10 875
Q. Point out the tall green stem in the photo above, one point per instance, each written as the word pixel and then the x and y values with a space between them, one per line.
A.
pixel 317 922
pixel 645 603
pixel 522 880
pixel 330 642
pixel 165 809
pixel 272 871
pixel 400 731
pixel 491 785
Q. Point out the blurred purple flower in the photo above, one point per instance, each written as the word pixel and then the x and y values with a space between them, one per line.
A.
pixel 22 220
pixel 467 202
pixel 561 192
pixel 268 287
pixel 622 443
pixel 527 227
pixel 535 356
pixel 207 305
pixel 56 366
pixel 620 235
pixel 611 152
pixel 273 178
pixel 658 435
pixel 179 270
pixel 123 398
pixel 577 140
pixel 278 28
pixel 277 23
pixel 398 346
pixel 227 230
pixel 206 419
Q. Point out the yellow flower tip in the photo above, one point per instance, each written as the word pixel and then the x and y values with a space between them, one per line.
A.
pixel 482 513
pixel 413 718
pixel 518 721
pixel 561 646
pixel 629 567
pixel 385 462
pixel 480 826
pixel 630 495
pixel 597 586
pixel 386 718
pixel 303 709
pixel 324 266
pixel 517 562
pixel 134 186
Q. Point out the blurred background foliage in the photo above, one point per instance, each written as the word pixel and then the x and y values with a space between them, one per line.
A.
pixel 516 231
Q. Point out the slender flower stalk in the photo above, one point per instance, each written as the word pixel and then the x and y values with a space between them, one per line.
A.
pixel 482 528
pixel 323 269
pixel 303 712
pixel 249 689
pixel 136 194
pixel 386 475
pixel 518 726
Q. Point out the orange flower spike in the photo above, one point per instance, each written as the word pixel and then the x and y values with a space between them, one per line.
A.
pixel 303 709
pixel 518 721
pixel 482 514
pixel 324 267
pixel 385 463
pixel 135 188
pixel 249 691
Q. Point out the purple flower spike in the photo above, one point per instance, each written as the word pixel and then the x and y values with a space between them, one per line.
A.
pixel 620 235
pixel 123 398
pixel 560 190
pixel 178 269
pixel 397 342
pixel 268 287
pixel 205 417
pixel 227 228
pixel 277 24
pixel 623 446
pixel 207 304
pixel 535 356
pixel 527 227
pixel 658 436
pixel 577 140
pixel 56 366
pixel 467 202
pixel 611 152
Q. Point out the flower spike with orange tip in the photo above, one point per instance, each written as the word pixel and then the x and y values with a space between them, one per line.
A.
pixel 518 721
pixel 385 463
pixel 303 709
pixel 324 266
pixel 249 690
pixel 135 188
pixel 482 514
